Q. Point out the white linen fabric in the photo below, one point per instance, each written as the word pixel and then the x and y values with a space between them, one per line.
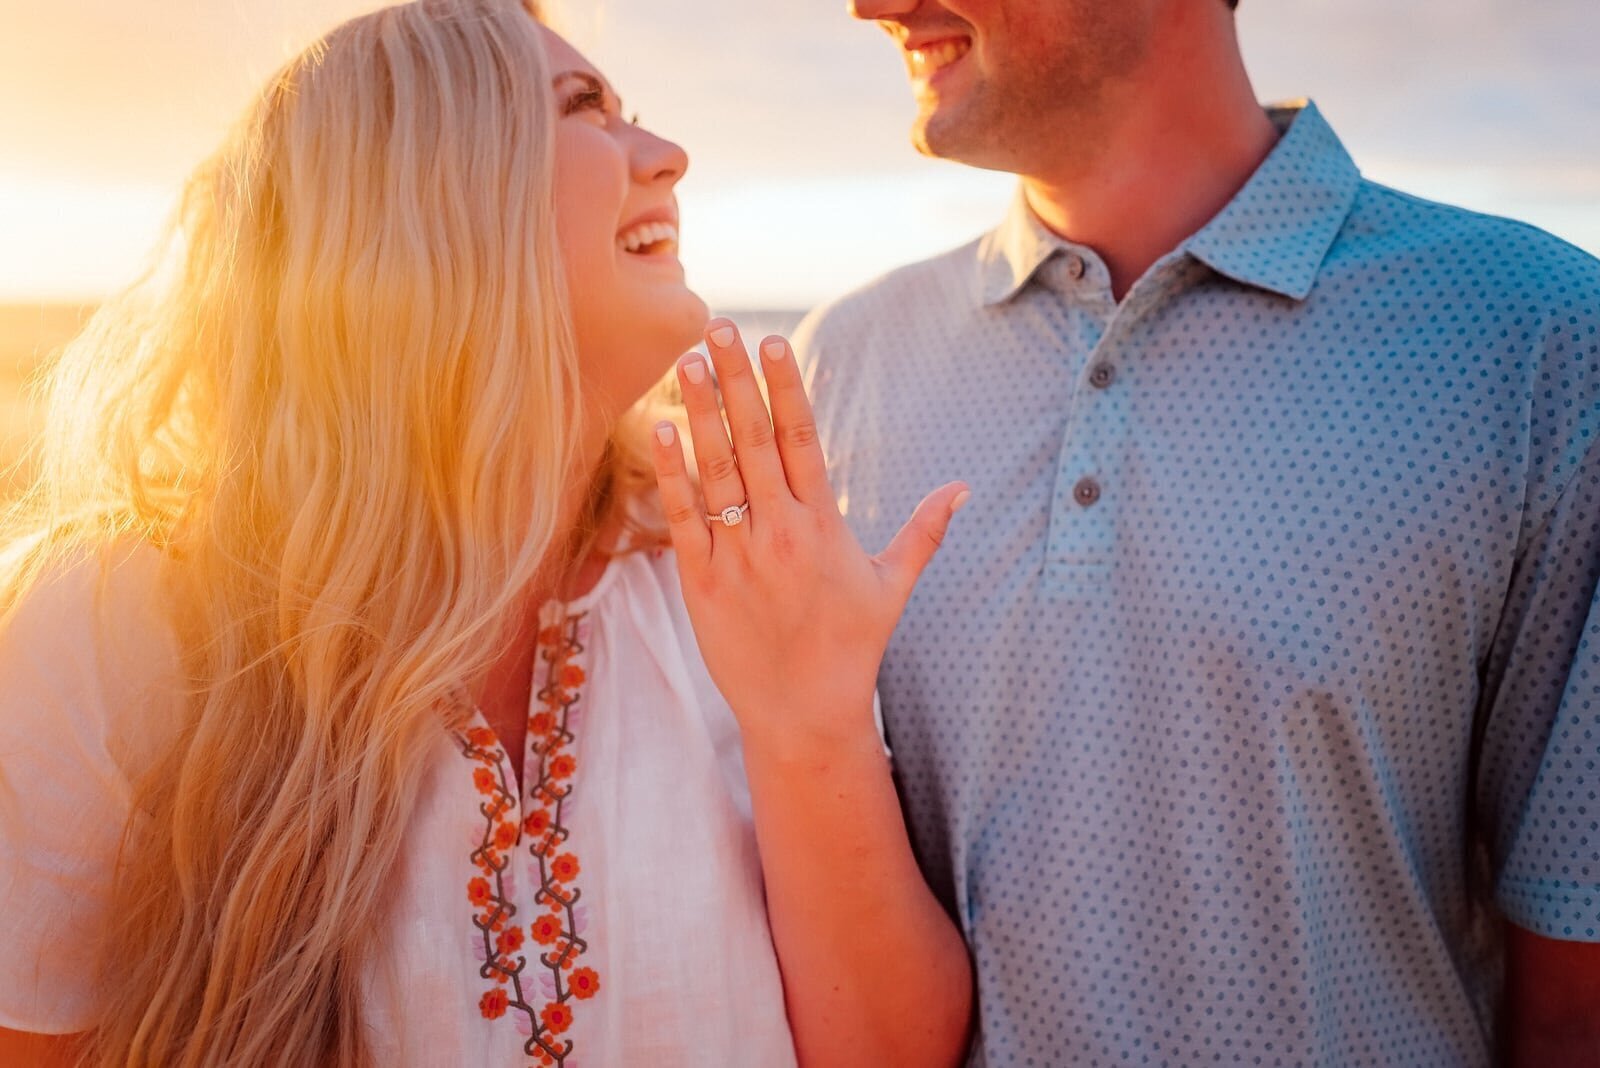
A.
pixel 608 910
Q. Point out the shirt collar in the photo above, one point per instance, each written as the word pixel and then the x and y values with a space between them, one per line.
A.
pixel 1274 234
pixel 1009 255
pixel 1278 229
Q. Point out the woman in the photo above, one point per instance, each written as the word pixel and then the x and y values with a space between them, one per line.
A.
pixel 352 709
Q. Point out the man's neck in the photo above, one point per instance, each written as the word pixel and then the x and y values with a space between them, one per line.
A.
pixel 1175 155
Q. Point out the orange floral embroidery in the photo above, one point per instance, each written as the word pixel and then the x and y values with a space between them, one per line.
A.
pixel 558 929
pixel 492 909
pixel 564 868
pixel 561 930
pixel 493 1004
pixel 556 1016
pixel 509 942
pixel 546 929
pixel 584 983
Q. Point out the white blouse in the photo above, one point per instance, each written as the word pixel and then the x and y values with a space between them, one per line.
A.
pixel 610 912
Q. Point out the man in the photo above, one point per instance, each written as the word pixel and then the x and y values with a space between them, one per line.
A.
pixel 1252 712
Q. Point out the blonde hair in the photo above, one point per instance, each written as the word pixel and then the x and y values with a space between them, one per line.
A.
pixel 345 414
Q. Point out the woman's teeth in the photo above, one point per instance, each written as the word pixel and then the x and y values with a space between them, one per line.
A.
pixel 648 237
pixel 930 59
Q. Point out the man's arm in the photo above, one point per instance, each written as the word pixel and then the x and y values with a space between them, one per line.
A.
pixel 1552 1008
pixel 1540 762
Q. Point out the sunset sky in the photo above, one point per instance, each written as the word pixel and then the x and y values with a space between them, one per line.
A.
pixel 803 183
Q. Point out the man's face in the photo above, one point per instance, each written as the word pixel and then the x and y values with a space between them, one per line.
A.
pixel 1000 83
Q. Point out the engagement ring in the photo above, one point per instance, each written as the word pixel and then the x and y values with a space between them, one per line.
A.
pixel 731 517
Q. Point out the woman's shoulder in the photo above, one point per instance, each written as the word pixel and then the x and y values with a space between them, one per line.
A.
pixel 86 645
pixel 88 662
pixel 105 606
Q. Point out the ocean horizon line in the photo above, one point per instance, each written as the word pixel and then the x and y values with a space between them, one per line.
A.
pixel 31 330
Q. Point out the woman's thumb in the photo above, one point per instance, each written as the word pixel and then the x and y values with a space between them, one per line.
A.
pixel 911 550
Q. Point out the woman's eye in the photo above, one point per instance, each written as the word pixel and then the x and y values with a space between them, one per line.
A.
pixel 587 100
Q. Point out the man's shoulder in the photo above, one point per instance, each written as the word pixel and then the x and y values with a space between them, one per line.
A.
pixel 943 283
pixel 1462 249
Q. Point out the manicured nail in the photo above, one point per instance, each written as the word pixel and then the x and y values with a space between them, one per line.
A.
pixel 774 350
pixel 960 502
pixel 694 369
pixel 723 336
pixel 665 432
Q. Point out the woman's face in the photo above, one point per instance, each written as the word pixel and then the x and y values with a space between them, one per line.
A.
pixel 617 223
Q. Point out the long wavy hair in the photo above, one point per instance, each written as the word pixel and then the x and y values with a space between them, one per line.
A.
pixel 343 409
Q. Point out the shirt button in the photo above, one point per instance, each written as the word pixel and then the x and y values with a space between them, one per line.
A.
pixel 1102 375
pixel 1074 266
pixel 1086 492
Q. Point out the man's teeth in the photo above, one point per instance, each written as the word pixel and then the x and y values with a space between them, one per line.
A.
pixel 925 61
pixel 649 234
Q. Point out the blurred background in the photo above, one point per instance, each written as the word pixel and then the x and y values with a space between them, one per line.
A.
pixel 803 184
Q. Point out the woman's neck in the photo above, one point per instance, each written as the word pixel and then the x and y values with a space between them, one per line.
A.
pixel 573 566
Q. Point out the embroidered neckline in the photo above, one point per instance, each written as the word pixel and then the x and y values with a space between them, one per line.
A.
pixel 557 931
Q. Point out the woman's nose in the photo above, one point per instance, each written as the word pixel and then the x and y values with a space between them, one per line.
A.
pixel 656 159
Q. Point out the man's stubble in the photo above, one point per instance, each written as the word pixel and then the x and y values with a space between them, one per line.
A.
pixel 1049 87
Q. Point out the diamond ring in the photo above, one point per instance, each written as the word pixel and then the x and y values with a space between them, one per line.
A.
pixel 732 516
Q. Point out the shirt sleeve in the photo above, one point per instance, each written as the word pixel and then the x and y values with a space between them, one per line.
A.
pixel 73 663
pixel 1540 776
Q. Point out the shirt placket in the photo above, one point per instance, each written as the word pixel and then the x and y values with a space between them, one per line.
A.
pixel 1084 502
pixel 1092 469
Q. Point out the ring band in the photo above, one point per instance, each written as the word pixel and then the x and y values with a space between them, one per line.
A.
pixel 731 516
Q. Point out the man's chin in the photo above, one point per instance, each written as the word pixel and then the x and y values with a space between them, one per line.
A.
pixel 932 138
pixel 941 136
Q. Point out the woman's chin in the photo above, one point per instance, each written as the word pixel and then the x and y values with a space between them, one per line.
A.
pixel 677 321
pixel 696 313
pixel 666 311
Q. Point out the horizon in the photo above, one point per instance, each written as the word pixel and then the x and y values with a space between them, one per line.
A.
pixel 32 332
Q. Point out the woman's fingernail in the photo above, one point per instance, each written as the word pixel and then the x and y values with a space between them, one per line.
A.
pixel 665 432
pixel 960 502
pixel 723 336
pixel 774 350
pixel 694 369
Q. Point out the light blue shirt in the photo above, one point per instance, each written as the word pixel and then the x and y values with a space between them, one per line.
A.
pixel 1262 674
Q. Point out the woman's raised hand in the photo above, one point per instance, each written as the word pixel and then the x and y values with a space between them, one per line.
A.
pixel 791 614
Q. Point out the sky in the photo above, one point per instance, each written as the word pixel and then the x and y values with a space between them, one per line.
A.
pixel 803 183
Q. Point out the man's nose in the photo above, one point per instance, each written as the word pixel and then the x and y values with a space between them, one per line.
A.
pixel 882 9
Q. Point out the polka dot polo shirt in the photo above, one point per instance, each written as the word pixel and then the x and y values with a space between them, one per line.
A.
pixel 1263 674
